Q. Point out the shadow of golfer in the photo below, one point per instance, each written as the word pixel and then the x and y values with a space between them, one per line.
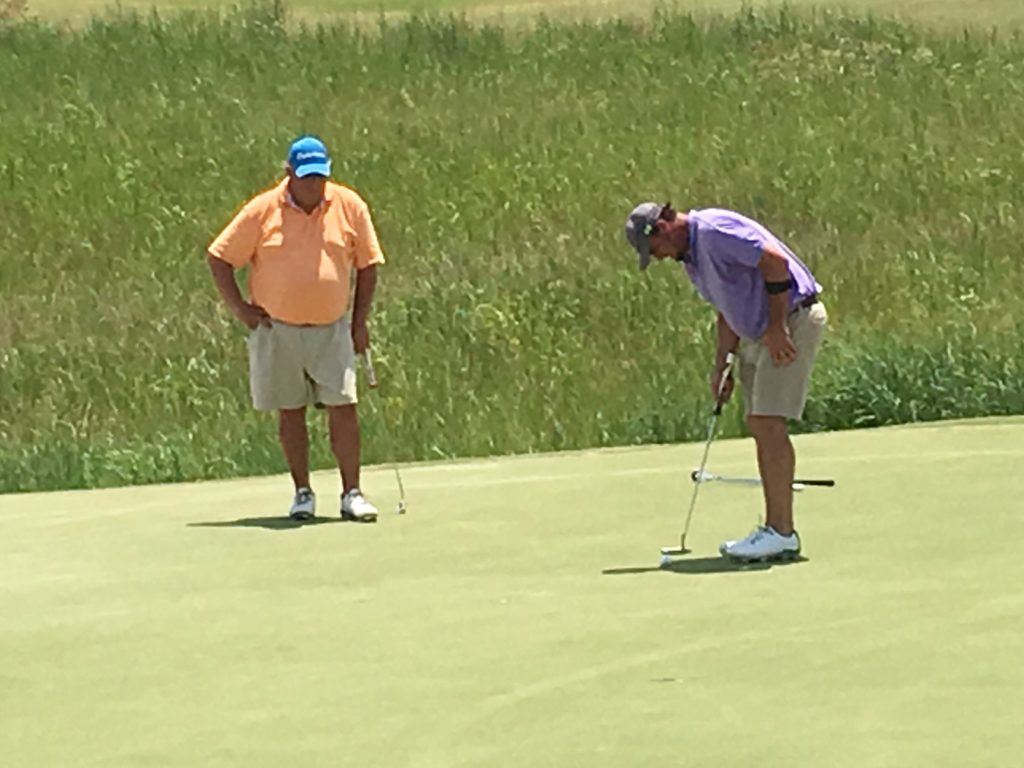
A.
pixel 269 523
pixel 703 565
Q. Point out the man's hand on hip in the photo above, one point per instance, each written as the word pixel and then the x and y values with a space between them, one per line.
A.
pixel 253 315
pixel 780 345
pixel 360 337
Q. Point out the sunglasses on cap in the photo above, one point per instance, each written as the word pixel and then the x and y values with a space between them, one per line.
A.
pixel 651 227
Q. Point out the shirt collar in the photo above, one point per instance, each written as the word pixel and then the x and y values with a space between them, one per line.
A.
pixel 691 234
pixel 287 199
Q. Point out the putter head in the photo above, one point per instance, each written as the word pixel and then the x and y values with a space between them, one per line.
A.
pixel 400 509
pixel 674 551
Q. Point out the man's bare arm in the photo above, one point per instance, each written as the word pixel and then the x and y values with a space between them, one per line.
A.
pixel 775 268
pixel 366 285
pixel 224 278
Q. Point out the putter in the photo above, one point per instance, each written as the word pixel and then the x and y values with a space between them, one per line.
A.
pixel 798 485
pixel 667 552
pixel 371 379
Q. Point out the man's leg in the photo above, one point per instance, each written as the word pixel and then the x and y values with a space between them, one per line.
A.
pixel 291 428
pixel 776 462
pixel 344 428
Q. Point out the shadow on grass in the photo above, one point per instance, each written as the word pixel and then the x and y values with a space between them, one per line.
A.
pixel 703 565
pixel 269 523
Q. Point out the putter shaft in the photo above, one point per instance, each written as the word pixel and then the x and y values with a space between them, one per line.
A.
pixel 372 381
pixel 730 359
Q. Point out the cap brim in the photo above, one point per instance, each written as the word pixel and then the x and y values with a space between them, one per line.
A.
pixel 313 169
pixel 644 256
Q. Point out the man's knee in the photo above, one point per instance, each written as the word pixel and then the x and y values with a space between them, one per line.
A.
pixel 343 413
pixel 287 416
pixel 768 428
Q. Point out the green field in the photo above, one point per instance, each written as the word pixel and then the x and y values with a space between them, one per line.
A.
pixel 942 13
pixel 516 617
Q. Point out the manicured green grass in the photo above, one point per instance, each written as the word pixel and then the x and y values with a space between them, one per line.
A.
pixel 500 168
pixel 516 617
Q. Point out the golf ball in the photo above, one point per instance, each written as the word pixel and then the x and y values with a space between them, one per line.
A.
pixel 665 561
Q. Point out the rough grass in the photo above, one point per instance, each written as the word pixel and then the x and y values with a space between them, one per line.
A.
pixel 948 14
pixel 500 168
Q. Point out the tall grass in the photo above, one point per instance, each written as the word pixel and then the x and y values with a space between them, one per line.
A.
pixel 11 10
pixel 500 168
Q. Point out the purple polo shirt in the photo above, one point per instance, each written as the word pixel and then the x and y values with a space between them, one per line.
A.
pixel 725 249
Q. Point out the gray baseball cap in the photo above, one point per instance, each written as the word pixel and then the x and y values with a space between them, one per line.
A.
pixel 639 227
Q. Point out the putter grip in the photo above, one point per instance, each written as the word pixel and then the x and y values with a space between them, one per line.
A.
pixel 371 374
pixel 730 359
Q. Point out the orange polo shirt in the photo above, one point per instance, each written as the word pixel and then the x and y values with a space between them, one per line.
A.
pixel 300 263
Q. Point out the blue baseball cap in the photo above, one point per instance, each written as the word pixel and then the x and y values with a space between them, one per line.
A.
pixel 308 157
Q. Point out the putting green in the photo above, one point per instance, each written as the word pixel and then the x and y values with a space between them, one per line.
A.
pixel 516 617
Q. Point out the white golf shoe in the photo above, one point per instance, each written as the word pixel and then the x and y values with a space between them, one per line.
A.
pixel 763 544
pixel 354 506
pixel 303 505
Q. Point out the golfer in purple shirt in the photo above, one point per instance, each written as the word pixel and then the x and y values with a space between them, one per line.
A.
pixel 771 317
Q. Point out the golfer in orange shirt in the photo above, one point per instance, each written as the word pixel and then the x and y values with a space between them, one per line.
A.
pixel 301 241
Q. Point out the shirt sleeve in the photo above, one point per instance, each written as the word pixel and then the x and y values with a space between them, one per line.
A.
pixel 237 243
pixel 738 244
pixel 367 250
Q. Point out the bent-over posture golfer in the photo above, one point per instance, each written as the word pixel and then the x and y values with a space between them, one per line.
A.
pixel 770 314
pixel 301 240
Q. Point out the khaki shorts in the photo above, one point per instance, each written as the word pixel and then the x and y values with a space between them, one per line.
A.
pixel 292 366
pixel 770 390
